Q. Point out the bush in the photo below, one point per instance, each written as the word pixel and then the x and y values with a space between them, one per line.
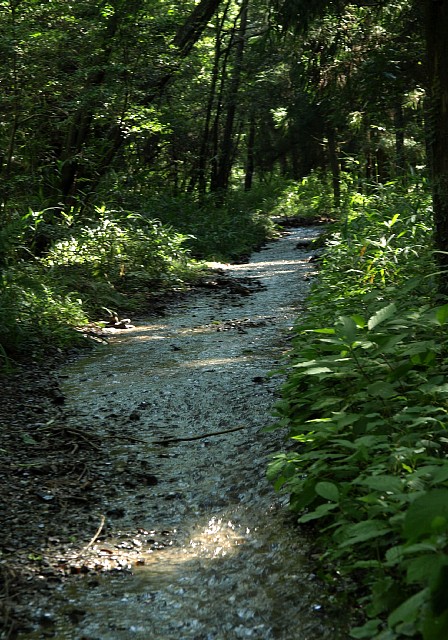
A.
pixel 111 263
pixel 366 406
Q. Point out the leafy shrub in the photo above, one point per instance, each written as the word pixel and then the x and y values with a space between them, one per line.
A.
pixel 121 254
pixel 110 263
pixel 215 230
pixel 34 316
pixel 366 405
pixel 311 197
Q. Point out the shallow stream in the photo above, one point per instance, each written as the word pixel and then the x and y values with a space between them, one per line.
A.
pixel 202 548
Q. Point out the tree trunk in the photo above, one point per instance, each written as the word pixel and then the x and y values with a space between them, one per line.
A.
pixel 226 148
pixel 205 142
pixel 399 141
pixel 436 19
pixel 250 158
pixel 190 32
pixel 335 166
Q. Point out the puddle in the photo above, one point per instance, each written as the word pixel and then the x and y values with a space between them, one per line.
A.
pixel 203 548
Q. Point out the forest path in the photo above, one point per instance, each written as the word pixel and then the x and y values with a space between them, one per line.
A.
pixel 212 553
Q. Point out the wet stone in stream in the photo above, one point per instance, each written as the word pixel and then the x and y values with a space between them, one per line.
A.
pixel 196 544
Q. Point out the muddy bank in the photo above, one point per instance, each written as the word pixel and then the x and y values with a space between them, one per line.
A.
pixel 179 534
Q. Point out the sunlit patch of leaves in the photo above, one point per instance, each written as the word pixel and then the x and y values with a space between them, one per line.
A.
pixel 110 262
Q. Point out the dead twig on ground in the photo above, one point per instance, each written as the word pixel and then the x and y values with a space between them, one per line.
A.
pixel 97 534
pixel 167 441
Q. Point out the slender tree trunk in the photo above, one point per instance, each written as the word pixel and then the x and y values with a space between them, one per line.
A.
pixel 205 142
pixel 16 114
pixel 335 166
pixel 436 22
pixel 250 158
pixel 399 141
pixel 214 163
pixel 226 147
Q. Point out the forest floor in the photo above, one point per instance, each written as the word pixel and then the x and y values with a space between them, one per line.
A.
pixel 133 496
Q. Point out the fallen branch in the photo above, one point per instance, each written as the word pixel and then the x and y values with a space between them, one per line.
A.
pixel 167 441
pixel 50 426
pixel 97 534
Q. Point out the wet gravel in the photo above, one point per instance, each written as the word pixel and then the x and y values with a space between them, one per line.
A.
pixel 190 540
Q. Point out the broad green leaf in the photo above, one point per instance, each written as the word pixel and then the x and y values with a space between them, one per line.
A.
pixel 359 320
pixel 387 483
pixel 362 531
pixel 428 514
pixel 381 389
pixel 327 490
pixel 441 314
pixel 349 329
pixel 367 631
pixel 304 363
pixel 440 473
pixel 421 547
pixel 422 569
pixel 409 611
pixel 433 388
pixel 435 627
pixel 387 343
pixel 328 331
pixel 314 371
pixel 344 419
pixel 394 555
pixel 320 512
pixel 380 316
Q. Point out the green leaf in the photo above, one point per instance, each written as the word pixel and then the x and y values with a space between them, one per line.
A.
pixel 435 627
pixel 422 569
pixel 409 610
pixel 427 515
pixel 368 630
pixel 441 314
pixel 387 483
pixel 349 329
pixel 381 389
pixel 359 320
pixel 314 371
pixel 380 316
pixel 321 512
pixel 440 473
pixel 327 490
pixel 387 343
pixel 362 531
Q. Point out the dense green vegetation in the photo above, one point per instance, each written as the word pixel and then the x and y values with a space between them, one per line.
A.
pixel 115 262
pixel 140 139
pixel 365 404
pixel 137 137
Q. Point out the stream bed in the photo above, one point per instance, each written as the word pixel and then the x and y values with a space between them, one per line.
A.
pixel 200 547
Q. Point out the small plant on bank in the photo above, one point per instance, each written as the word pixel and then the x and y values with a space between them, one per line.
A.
pixel 365 404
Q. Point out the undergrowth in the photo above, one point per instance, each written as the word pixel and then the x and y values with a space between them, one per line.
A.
pixel 61 270
pixel 91 270
pixel 366 408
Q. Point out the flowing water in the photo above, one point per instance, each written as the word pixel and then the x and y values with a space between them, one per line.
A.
pixel 202 549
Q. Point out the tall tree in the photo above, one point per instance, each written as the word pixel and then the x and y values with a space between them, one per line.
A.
pixel 436 24
pixel 226 150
